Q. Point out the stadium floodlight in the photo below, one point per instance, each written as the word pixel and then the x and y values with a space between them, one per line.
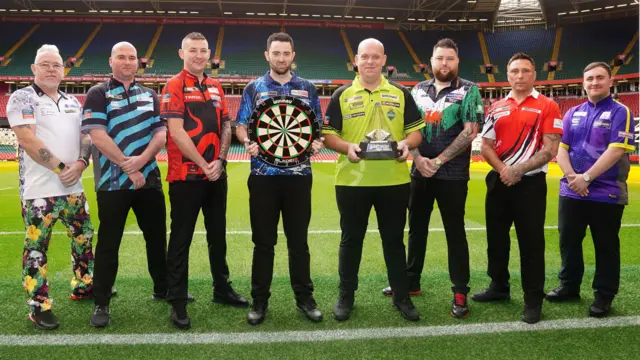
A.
pixel 380 17
pixel 193 12
pixel 305 15
pixel 596 9
pixel 315 15
pixel 3 10
pixel 150 11
pixel 370 17
pixel 585 10
pixel 452 20
pixel 411 19
pixel 359 17
pixel 430 20
pixel 296 15
pixel 70 11
pixel 463 20
pixel 483 19
pixel 24 10
pixel 272 14
pixel 115 11
pixel 228 13
pixel 59 11
pixel 471 20
pixel 159 11
pixel 500 21
pixel 390 18
pixel 562 13
pixel 262 14
pixel 140 12
pixel 35 10
pixel 609 7
pixel 337 16
pixel 346 16
pixel 47 11
pixel 13 10
pixel 182 12
pixel 471 1
pixel 250 13
pixel 126 11
pixel 283 14
pixel 326 16
pixel 573 12
pixel 622 5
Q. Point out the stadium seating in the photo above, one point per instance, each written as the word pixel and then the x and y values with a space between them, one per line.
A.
pixel 326 59
pixel 95 59
pixel 11 33
pixel 502 45
pixel 578 47
pixel 8 144
pixel 634 63
pixel 243 50
pixel 67 37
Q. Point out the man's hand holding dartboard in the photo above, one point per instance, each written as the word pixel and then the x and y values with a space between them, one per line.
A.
pixel 283 132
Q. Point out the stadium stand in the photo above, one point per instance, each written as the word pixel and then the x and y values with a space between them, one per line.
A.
pixel 538 43
pixel 8 144
pixel 578 47
pixel 67 37
pixel 243 51
pixel 95 58
pixel 11 33
pixel 326 59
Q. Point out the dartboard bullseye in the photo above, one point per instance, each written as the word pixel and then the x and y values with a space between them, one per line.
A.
pixel 284 128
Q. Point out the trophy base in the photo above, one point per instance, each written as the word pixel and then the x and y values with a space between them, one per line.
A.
pixel 378 150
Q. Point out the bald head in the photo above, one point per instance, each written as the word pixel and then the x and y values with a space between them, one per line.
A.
pixel 370 43
pixel 122 46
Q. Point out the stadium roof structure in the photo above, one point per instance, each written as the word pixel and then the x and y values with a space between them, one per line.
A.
pixel 409 14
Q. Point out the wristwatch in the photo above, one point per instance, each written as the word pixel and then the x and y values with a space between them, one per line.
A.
pixel 438 162
pixel 586 177
pixel 59 168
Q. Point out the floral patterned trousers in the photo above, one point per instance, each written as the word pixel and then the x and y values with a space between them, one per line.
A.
pixel 40 215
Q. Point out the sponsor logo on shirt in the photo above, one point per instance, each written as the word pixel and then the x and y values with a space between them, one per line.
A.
pixel 575 121
pixel 166 98
pixel 605 115
pixel 347 117
pixel 353 98
pixel 47 112
pixel 215 97
pixel 115 97
pixel 537 111
pixel 580 113
pixel 268 93
pixel 626 135
pixel 193 97
pixel 391 103
pixel 70 111
pixel 456 95
pixel 480 109
pixel 326 120
pixel 497 116
pixel 190 89
pixel 389 96
pixel 214 90
pixel 557 123
pixel 27 114
pixel 602 124
pixel 391 114
pixel 300 93
pixel 356 105
pixel 87 114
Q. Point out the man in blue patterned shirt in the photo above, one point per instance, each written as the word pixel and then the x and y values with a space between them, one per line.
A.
pixel 273 190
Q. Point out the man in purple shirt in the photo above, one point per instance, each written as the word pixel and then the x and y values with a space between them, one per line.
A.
pixel 594 158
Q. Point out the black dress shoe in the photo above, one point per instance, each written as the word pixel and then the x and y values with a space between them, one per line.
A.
pixel 562 293
pixel 407 310
pixel 163 297
pixel 229 297
pixel 310 309
pixel 44 320
pixel 600 307
pixel 489 294
pixel 389 292
pixel 101 316
pixel 459 306
pixel 344 306
pixel 258 312
pixel 179 317
pixel 531 314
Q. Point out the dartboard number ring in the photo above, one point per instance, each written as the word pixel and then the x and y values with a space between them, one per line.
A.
pixel 284 128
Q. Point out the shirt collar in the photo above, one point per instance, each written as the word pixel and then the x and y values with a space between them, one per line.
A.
pixel 358 86
pixel 604 102
pixel 188 74
pixel 117 83
pixel 533 93
pixel 269 79
pixel 40 92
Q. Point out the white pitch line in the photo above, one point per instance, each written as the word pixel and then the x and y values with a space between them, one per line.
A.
pixel 7 188
pixel 327 231
pixel 263 337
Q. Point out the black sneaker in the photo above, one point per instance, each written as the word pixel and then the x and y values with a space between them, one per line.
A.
pixel 562 293
pixel 407 310
pixel 489 294
pixel 179 317
pixel 344 306
pixel 310 309
pixel 100 317
pixel 228 296
pixel 44 320
pixel 389 292
pixel 600 307
pixel 163 297
pixel 459 307
pixel 531 314
pixel 258 312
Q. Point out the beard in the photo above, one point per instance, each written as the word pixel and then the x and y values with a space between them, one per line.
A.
pixel 278 71
pixel 445 77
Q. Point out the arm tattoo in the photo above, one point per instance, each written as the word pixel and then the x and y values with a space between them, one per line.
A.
pixel 226 139
pixel 415 153
pixel 45 155
pixel 25 126
pixel 85 146
pixel 543 156
pixel 459 145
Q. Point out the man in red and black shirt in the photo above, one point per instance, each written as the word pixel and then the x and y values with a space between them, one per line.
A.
pixel 199 136
pixel 521 135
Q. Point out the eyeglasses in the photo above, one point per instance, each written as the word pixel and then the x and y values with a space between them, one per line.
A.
pixel 47 66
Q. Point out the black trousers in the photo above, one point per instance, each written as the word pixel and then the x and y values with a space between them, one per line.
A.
pixel 390 203
pixel 268 197
pixel 187 198
pixel 113 208
pixel 451 196
pixel 604 221
pixel 523 204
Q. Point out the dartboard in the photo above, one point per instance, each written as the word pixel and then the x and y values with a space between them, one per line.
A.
pixel 284 128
